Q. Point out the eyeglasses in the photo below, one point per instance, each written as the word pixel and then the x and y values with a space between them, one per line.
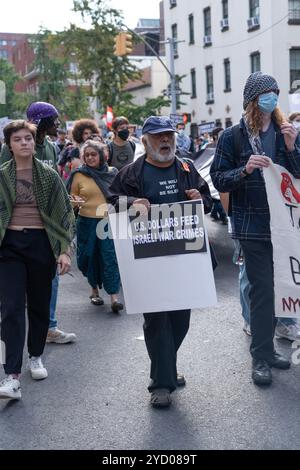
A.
pixel 92 154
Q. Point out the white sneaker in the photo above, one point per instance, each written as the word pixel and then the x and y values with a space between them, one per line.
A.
pixel 10 388
pixel 290 332
pixel 38 371
pixel 60 337
pixel 246 328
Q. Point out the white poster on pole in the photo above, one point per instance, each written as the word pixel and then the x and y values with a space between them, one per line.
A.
pixel 283 192
pixel 164 259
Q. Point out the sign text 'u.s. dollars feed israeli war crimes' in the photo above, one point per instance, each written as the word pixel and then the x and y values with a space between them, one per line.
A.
pixel 169 229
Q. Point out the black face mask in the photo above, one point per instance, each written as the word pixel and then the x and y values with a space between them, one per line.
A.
pixel 123 134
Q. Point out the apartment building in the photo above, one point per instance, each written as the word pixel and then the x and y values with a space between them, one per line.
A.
pixel 223 42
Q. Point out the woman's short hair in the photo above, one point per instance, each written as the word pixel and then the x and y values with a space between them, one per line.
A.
pixel 97 146
pixel 119 121
pixel 16 126
pixel 80 126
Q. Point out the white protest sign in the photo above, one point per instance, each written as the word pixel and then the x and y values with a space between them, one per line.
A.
pixel 283 192
pixel 164 261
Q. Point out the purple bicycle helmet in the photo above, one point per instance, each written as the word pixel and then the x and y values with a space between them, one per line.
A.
pixel 40 110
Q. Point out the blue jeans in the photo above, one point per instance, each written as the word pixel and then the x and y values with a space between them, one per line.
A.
pixel 244 287
pixel 244 293
pixel 53 320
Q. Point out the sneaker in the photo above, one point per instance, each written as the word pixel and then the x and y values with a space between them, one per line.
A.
pixel 290 332
pixel 246 328
pixel 37 369
pixel 60 337
pixel 10 388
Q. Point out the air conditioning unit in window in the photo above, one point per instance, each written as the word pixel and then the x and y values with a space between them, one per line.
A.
pixel 252 22
pixel 207 40
pixel 224 23
pixel 210 96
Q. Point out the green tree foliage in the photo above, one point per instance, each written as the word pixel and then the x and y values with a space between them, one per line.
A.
pixel 52 67
pixel 15 103
pixel 137 114
pixel 57 84
pixel 93 50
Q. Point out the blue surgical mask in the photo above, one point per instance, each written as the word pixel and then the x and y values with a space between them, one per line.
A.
pixel 268 102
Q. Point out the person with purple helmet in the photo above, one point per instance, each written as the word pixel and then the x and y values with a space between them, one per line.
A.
pixel 45 117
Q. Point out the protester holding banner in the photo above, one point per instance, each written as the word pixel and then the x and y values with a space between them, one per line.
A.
pixel 145 182
pixel 263 134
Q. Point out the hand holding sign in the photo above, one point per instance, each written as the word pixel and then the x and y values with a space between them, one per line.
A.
pixel 142 206
pixel 257 161
pixel 193 194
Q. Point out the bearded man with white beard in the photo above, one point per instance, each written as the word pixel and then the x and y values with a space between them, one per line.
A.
pixel 159 177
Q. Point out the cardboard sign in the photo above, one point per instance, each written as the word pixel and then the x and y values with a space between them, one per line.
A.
pixel 164 275
pixel 283 192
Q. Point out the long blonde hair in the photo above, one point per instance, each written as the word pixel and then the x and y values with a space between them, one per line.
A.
pixel 254 116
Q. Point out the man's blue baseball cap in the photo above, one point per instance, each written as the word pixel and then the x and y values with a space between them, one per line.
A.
pixel 157 125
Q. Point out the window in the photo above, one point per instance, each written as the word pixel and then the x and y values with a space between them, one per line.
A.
pixel 3 55
pixel 175 36
pixel 255 62
pixel 207 21
pixel 193 83
pixel 225 21
pixel 209 85
pixel 173 3
pixel 295 68
pixel 294 11
pixel 3 42
pixel 227 75
pixel 253 21
pixel 207 27
pixel 191 29
pixel 254 8
pixel 225 9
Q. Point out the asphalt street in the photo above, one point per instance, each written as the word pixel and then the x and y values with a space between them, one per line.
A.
pixel 96 394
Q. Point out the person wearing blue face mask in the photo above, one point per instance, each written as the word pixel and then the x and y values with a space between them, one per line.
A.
pixel 242 151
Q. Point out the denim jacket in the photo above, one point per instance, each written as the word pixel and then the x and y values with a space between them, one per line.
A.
pixel 249 207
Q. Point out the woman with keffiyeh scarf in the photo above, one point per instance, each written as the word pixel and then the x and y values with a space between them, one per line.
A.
pixel 36 229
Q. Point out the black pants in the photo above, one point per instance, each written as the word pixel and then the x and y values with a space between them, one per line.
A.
pixel 164 333
pixel 259 267
pixel 27 267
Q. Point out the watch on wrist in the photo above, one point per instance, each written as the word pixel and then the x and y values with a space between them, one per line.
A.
pixel 245 172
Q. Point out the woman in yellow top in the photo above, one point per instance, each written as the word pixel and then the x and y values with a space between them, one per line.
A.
pixel 96 256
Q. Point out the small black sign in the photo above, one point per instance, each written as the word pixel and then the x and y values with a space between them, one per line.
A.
pixel 169 229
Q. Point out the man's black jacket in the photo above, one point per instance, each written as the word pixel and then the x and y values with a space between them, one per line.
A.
pixel 129 182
